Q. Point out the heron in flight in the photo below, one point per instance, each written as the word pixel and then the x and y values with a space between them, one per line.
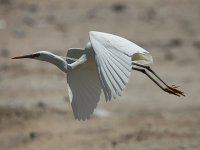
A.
pixel 105 64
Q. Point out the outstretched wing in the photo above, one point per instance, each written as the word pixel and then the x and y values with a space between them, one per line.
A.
pixel 113 59
pixel 83 86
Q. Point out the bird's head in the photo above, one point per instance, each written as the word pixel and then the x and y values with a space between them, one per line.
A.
pixel 40 55
pixel 59 61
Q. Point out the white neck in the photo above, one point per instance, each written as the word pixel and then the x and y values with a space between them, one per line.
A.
pixel 58 61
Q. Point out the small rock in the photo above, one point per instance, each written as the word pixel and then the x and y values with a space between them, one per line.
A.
pixel 32 135
pixel 196 44
pixel 118 7
pixel 114 143
pixel 41 105
pixel 149 15
pixel 176 42
pixel 33 8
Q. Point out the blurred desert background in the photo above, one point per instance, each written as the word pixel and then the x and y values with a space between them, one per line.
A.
pixel 35 112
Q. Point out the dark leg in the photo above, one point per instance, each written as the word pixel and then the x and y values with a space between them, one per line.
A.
pixel 170 90
pixel 173 87
pixel 144 71
pixel 149 69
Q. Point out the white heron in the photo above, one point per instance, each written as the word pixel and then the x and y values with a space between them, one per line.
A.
pixel 104 64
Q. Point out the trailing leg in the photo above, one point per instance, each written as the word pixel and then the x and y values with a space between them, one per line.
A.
pixel 170 89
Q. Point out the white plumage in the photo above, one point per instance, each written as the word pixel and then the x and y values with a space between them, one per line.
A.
pixel 83 86
pixel 109 60
pixel 105 64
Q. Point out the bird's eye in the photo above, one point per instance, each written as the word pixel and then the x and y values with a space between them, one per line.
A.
pixel 36 55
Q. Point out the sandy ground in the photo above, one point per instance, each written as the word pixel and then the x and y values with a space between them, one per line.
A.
pixel 34 108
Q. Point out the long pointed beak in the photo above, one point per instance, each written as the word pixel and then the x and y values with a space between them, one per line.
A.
pixel 27 56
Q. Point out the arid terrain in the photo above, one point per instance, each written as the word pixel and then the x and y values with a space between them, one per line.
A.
pixel 35 112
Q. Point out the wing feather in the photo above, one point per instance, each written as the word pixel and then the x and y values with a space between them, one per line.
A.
pixel 123 72
pixel 109 81
pixel 114 64
pixel 116 81
pixel 106 77
pixel 119 60
pixel 83 86
pixel 116 75
pixel 106 90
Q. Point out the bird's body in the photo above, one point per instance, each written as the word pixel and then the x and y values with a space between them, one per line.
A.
pixel 104 64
